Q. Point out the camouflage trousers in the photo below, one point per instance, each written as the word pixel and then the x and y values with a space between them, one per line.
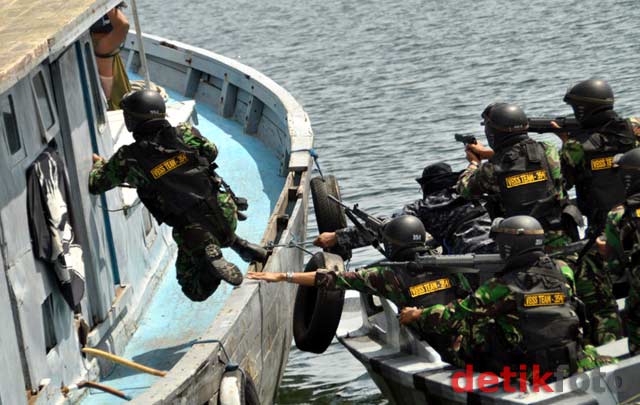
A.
pixel 633 310
pixel 215 225
pixel 595 288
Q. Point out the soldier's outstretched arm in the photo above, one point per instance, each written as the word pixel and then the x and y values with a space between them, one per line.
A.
pixel 106 175
pixel 374 280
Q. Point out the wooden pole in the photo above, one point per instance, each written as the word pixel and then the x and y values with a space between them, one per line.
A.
pixel 123 361
pixel 143 56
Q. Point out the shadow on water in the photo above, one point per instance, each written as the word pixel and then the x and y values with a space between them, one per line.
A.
pixel 387 84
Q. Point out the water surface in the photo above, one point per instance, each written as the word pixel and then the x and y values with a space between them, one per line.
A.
pixel 387 83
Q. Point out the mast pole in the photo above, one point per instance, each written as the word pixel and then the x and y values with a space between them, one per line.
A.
pixel 143 56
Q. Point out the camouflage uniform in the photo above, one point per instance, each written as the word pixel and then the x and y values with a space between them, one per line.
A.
pixel 574 161
pixel 458 225
pixel 477 181
pixel 491 309
pixel 594 284
pixel 595 289
pixel 385 282
pixel 623 238
pixel 215 225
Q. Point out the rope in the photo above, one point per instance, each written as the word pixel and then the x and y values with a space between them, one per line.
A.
pixel 315 157
pixel 292 244
pixel 229 365
pixel 124 208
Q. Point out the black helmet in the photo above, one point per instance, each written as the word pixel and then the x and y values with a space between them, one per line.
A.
pixel 503 121
pixel 628 166
pixel 589 97
pixel 141 106
pixel 402 233
pixel 517 234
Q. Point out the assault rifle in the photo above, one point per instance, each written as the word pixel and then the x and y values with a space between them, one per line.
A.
pixel 471 263
pixel 372 227
pixel 541 125
pixel 466 139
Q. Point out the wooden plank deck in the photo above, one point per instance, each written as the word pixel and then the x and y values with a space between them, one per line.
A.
pixel 31 30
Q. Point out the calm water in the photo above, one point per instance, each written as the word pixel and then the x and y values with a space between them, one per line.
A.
pixel 386 84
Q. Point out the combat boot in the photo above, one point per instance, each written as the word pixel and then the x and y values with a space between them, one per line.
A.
pixel 249 252
pixel 226 271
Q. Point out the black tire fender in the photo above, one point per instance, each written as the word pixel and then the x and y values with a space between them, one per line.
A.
pixel 317 311
pixel 329 215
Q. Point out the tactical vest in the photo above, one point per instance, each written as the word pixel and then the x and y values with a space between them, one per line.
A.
pixel 179 178
pixel 526 185
pixel 547 320
pixel 598 188
pixel 422 289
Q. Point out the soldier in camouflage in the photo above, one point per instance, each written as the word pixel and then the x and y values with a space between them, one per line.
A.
pixel 522 176
pixel 171 170
pixel 404 237
pixel 525 315
pixel 621 245
pixel 587 155
pixel 458 225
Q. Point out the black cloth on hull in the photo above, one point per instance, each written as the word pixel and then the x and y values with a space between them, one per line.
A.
pixel 50 224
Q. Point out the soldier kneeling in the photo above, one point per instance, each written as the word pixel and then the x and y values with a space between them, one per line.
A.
pixel 526 315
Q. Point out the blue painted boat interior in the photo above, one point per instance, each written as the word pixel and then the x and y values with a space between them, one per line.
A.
pixel 173 323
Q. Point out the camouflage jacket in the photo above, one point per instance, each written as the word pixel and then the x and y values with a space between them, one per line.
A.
pixel 123 168
pixel 573 156
pixel 622 243
pixel 470 320
pixel 381 281
pixel 476 181
pixel 458 225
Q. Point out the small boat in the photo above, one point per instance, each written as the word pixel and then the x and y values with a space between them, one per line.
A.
pixel 125 299
pixel 409 371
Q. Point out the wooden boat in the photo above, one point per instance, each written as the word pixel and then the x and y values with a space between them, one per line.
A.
pixel 132 305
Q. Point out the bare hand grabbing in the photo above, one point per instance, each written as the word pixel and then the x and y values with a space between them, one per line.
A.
pixel 481 151
pixel 326 240
pixel 409 315
pixel 268 277
pixel 562 135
